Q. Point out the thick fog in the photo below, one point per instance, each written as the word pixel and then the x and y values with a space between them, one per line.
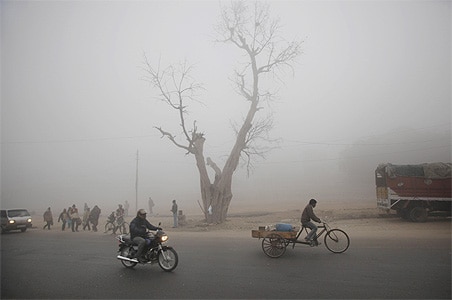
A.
pixel 372 85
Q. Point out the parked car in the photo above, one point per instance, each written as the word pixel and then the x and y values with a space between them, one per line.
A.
pixel 15 219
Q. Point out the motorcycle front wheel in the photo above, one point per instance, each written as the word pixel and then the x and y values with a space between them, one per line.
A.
pixel 125 251
pixel 168 259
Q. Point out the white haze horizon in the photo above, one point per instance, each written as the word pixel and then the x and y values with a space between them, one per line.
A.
pixel 371 86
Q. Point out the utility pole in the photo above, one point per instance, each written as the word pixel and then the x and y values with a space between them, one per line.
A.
pixel 136 186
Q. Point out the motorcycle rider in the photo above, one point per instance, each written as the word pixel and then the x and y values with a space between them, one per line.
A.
pixel 138 235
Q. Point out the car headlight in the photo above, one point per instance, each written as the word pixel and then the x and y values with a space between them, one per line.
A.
pixel 164 238
pixel 12 221
pixel 29 220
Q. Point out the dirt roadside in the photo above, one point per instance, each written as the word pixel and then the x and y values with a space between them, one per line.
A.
pixel 354 220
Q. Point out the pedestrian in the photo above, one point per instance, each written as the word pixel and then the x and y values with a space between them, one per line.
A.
pixel 94 217
pixel 76 221
pixel 64 218
pixel 174 211
pixel 120 211
pixel 69 220
pixel 120 218
pixel 48 218
pixel 86 219
pixel 111 218
pixel 126 208
pixel 151 205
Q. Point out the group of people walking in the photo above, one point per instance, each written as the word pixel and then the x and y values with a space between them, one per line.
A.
pixel 71 218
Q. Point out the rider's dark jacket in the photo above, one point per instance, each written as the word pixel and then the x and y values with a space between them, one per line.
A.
pixel 138 227
pixel 308 214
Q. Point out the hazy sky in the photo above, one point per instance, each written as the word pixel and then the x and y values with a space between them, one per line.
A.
pixel 75 108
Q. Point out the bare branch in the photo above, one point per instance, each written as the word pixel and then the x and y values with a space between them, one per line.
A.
pixel 172 138
pixel 214 166
pixel 176 87
pixel 259 36
pixel 282 58
pixel 258 142
pixel 251 29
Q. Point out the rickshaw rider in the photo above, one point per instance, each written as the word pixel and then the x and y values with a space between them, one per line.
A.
pixel 306 216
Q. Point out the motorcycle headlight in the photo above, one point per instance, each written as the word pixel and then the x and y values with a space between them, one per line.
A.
pixel 164 238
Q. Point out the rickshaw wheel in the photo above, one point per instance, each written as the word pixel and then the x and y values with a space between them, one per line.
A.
pixel 274 245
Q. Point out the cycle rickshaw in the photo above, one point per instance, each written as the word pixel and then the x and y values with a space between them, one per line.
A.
pixel 275 242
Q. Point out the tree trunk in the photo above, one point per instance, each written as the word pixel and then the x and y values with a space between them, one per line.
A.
pixel 221 198
pixel 218 195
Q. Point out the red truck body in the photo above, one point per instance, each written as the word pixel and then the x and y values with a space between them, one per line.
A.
pixel 414 191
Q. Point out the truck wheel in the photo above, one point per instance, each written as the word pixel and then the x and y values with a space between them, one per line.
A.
pixel 418 214
pixel 403 213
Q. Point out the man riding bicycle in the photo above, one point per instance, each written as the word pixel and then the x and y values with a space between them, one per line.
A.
pixel 306 216
pixel 120 218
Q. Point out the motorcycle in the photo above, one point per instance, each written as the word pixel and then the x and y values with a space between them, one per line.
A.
pixel 156 252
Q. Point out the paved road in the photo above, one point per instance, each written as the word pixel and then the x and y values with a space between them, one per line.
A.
pixel 57 265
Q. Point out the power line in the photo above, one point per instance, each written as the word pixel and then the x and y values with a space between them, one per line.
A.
pixel 98 139
pixel 303 143
pixel 356 156
pixel 359 144
pixel 306 143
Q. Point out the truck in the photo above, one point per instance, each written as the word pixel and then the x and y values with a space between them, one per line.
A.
pixel 414 192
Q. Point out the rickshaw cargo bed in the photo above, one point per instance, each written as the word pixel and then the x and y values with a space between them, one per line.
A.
pixel 265 233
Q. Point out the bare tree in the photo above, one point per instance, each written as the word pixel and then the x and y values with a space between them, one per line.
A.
pixel 249 29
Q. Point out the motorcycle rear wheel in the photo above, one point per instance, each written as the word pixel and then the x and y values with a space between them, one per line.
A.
pixel 168 259
pixel 125 251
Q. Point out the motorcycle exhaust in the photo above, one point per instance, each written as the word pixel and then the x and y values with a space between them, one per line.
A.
pixel 126 258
